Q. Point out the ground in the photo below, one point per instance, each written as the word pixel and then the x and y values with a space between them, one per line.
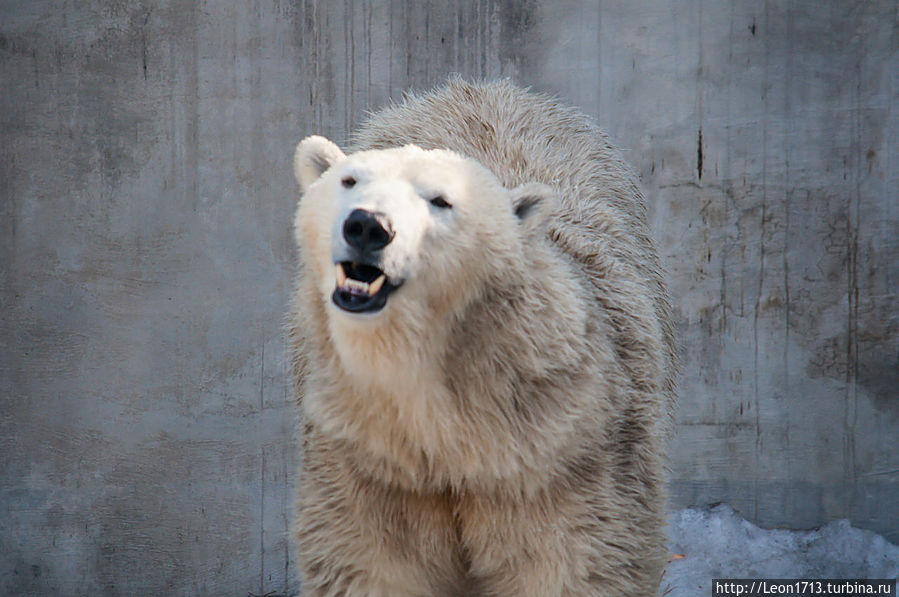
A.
pixel 718 543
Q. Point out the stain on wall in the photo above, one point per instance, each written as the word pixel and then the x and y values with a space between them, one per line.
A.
pixel 146 422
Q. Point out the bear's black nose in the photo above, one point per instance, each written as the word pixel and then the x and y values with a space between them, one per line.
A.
pixel 367 231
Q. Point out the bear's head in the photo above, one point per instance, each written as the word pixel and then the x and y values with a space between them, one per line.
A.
pixel 403 239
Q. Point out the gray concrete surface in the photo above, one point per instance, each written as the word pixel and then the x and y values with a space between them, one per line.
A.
pixel 145 420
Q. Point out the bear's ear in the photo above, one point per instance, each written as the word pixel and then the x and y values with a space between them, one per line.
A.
pixel 533 203
pixel 314 155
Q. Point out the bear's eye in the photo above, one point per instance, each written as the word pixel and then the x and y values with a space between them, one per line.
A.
pixel 440 202
pixel 348 182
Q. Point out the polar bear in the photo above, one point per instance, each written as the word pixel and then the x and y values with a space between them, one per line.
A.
pixel 484 356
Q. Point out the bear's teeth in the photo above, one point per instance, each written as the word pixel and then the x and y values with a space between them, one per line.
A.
pixel 344 282
pixel 357 285
pixel 375 286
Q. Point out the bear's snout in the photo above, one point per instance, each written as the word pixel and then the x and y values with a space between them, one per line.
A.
pixel 367 231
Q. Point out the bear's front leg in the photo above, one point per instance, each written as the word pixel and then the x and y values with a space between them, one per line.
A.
pixel 559 543
pixel 359 537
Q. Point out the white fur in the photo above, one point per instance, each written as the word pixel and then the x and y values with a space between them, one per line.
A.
pixel 429 244
pixel 498 427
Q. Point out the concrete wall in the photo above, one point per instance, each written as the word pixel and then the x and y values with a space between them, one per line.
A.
pixel 145 418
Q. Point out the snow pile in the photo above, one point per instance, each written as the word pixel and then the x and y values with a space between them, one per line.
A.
pixel 718 543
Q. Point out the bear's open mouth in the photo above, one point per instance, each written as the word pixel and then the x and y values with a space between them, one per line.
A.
pixel 361 288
